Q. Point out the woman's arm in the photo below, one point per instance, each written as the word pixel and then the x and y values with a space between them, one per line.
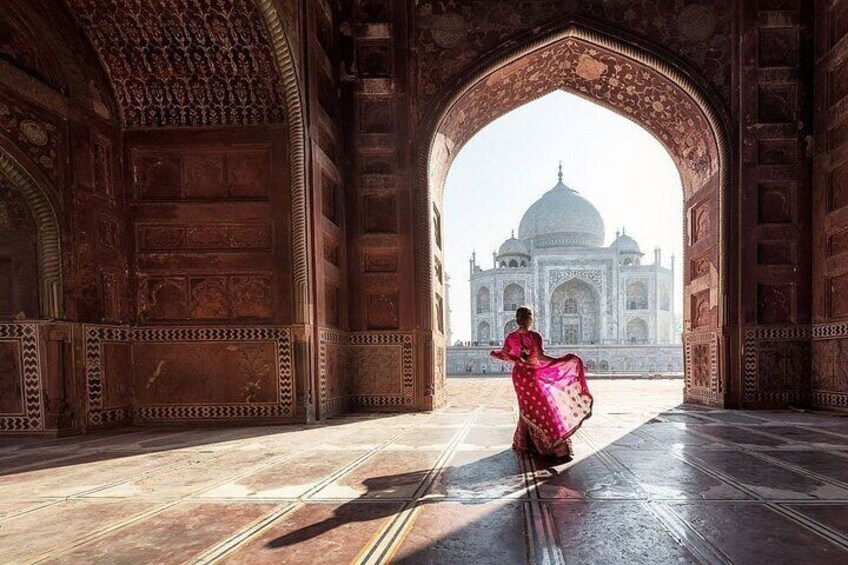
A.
pixel 507 353
pixel 541 351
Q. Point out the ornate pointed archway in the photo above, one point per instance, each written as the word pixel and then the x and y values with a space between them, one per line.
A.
pixel 48 238
pixel 648 88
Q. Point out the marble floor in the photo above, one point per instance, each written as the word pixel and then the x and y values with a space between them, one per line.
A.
pixel 654 482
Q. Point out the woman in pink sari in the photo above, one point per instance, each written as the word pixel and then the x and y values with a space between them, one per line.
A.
pixel 553 398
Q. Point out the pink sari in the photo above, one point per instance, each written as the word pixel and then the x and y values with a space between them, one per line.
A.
pixel 553 398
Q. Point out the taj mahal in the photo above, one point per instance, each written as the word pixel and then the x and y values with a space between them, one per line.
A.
pixel 605 302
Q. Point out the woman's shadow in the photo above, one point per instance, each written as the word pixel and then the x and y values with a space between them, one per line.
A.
pixel 496 476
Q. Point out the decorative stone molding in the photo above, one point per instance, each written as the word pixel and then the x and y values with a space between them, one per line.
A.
pixel 594 277
pixel 834 330
pixel 25 337
pixel 295 124
pixel 337 404
pixel 830 343
pixel 95 337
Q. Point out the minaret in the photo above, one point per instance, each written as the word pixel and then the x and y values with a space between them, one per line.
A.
pixel 658 257
pixel 494 259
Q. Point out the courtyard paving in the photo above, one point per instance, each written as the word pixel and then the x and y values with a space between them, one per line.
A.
pixel 654 481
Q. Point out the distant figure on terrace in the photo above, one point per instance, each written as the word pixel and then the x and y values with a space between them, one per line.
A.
pixel 553 397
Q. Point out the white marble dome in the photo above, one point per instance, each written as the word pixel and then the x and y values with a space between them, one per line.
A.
pixel 625 244
pixel 562 218
pixel 513 246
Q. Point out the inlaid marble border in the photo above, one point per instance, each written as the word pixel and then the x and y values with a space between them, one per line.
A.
pixel 407 376
pixel 713 393
pixel 282 408
pixel 823 332
pixel 750 363
pixel 329 406
pixel 835 330
pixel 94 338
pixel 32 418
pixel 281 336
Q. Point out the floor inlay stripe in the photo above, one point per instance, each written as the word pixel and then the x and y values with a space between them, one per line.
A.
pixel 388 539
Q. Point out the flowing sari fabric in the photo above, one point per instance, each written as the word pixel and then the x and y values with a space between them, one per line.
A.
pixel 553 398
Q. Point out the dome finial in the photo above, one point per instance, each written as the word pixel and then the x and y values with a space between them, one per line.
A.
pixel 559 174
pixel 512 234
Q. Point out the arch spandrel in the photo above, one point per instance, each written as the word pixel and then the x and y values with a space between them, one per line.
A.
pixel 578 65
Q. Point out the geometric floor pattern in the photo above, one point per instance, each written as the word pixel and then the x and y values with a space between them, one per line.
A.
pixel 653 482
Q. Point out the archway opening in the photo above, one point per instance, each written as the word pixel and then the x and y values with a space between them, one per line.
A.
pixel 661 99
pixel 18 257
pixel 575 314
pixel 30 257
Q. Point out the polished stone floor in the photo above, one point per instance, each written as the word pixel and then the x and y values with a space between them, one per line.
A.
pixel 654 482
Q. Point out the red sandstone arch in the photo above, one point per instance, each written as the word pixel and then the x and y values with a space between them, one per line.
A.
pixel 48 234
pixel 644 87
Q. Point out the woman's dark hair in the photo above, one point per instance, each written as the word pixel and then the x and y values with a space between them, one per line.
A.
pixel 523 315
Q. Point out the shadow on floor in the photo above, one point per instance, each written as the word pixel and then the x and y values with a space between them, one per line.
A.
pixel 26 454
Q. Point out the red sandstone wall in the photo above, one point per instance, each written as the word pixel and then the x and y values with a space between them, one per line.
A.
pixel 212 274
pixel 331 390
pixel 830 211
pixel 60 125
pixel 385 355
pixel 775 121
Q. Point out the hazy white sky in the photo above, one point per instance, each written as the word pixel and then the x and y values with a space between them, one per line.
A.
pixel 501 171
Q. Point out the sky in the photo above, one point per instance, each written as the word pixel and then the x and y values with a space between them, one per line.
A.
pixel 611 161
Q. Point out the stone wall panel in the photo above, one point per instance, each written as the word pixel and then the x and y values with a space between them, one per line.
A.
pixel 830 193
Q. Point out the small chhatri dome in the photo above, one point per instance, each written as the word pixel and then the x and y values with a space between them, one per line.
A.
pixel 625 244
pixel 561 217
pixel 513 246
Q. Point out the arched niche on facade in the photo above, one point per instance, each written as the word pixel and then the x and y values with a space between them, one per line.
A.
pixel 484 300
pixel 484 332
pixel 636 331
pixel 513 297
pixel 636 296
pixel 510 327
pixel 21 192
pixel 643 84
pixel 574 314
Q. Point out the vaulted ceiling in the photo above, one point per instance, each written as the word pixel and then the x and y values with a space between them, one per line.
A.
pixel 174 63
